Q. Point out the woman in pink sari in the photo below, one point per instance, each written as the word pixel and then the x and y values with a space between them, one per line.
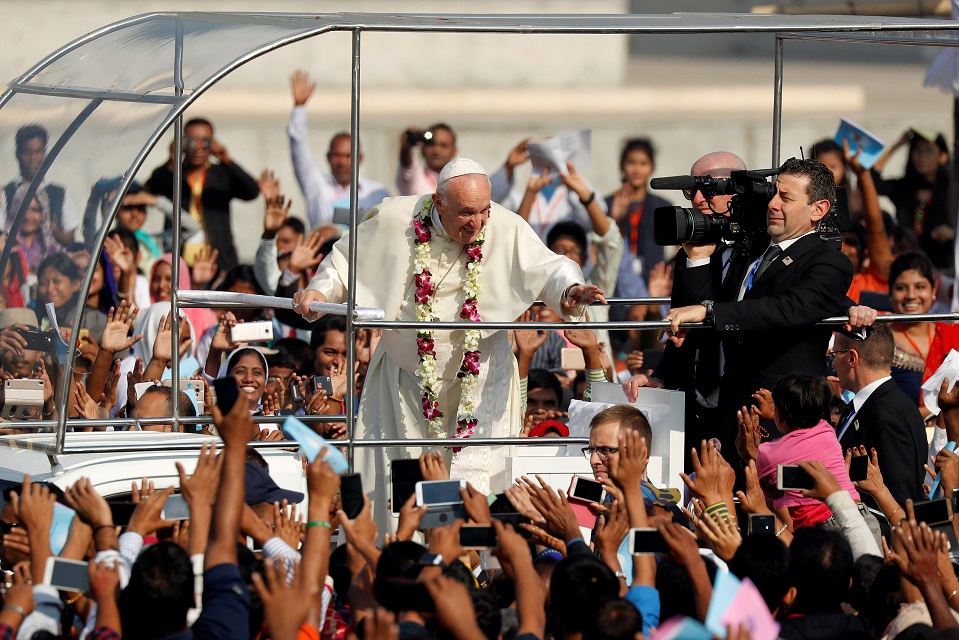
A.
pixel 161 290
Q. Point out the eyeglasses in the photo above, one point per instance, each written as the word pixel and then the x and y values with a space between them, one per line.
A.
pixel 194 144
pixel 689 193
pixel 602 452
pixel 832 354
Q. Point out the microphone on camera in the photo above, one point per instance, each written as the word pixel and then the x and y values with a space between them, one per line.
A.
pixel 674 182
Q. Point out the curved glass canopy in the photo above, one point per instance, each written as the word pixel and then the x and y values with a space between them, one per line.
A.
pixel 96 107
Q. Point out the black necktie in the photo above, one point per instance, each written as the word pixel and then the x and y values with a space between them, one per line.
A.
pixel 844 416
pixel 769 257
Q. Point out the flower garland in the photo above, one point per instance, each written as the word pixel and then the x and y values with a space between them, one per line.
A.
pixel 423 297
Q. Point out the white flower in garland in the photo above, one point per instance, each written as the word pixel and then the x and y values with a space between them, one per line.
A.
pixel 423 297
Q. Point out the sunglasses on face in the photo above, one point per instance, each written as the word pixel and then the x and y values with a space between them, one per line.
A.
pixel 198 144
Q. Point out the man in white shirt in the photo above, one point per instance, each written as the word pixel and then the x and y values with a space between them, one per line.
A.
pixel 325 192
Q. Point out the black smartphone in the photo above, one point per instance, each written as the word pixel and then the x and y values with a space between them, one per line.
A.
pixel 478 536
pixel 646 541
pixel 858 468
pixel 955 500
pixel 587 490
pixel 652 358
pixel 404 474
pixel 501 504
pixel 514 519
pixel 37 340
pixel 284 412
pixel 761 523
pixel 226 394
pixel 791 476
pixel 938 511
pixel 351 493
pixel 295 394
pixel 323 383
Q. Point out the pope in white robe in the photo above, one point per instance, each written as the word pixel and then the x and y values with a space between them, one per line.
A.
pixel 516 270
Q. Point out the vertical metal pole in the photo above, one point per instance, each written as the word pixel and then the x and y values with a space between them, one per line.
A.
pixel 778 102
pixel 177 199
pixel 351 298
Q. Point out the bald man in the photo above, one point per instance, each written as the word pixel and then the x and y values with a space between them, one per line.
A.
pixel 700 269
pixel 438 235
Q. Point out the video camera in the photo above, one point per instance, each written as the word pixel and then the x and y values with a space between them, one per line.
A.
pixel 745 224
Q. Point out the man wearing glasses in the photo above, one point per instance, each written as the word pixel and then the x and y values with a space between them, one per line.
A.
pixel 207 190
pixel 880 417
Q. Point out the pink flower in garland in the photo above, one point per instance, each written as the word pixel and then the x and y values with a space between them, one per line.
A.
pixel 470 311
pixel 474 252
pixel 466 428
pixel 431 409
pixel 424 347
pixel 423 231
pixel 424 288
pixel 471 362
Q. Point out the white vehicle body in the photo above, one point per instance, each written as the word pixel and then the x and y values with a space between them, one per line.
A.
pixel 112 471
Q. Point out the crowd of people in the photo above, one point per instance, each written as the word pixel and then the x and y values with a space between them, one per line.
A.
pixel 765 386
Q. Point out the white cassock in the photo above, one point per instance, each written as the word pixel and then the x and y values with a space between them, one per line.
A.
pixel 517 269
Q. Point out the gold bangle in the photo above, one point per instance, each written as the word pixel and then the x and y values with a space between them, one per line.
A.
pixel 896 510
pixel 74 599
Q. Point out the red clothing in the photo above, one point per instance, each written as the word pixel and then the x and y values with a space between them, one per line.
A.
pixel 946 339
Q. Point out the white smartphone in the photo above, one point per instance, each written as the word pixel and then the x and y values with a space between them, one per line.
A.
pixel 196 389
pixel 22 399
pixel 66 575
pixel 572 358
pixel 645 541
pixel 175 508
pixel 587 490
pixel 252 332
pixel 792 476
pixel 439 492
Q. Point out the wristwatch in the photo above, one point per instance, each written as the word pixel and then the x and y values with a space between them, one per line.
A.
pixel 432 560
pixel 709 311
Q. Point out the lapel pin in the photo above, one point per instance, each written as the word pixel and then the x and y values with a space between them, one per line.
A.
pixel 855 425
pixel 787 261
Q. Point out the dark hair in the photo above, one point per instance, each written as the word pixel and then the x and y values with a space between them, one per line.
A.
pixel 340 572
pixel 254 456
pixel 248 564
pixel 820 566
pixel 912 261
pixel 579 584
pixel 567 229
pixel 628 418
pixel 764 559
pixel 344 134
pixel 235 357
pixel 865 570
pixel 158 596
pixel 327 246
pixel 295 224
pixel 198 121
pixel 326 324
pixel 876 350
pixel 802 400
pixel 827 146
pixel 293 352
pixel 187 409
pixel 62 263
pixel 821 185
pixel 398 560
pixel 240 273
pixel 126 236
pixel 637 144
pixel 445 127
pixel 29 132
pixel 488 616
pixel 616 619
pixel 543 379
pixel 911 177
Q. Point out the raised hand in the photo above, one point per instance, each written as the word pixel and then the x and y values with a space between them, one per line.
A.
pixel 204 265
pixel 628 469
pixel 622 198
pixel 199 489
pixel 269 186
pixel 764 407
pixel 87 408
pixel 134 378
pixel 410 517
pixel 575 182
pixel 528 341
pixel 302 87
pixel 115 335
pixel 287 524
pixel 285 605
pixel 119 253
pixel 537 182
pixel 749 437
pixel 559 518
pixel 634 362
pixel 221 339
pixel 433 466
pixel 476 504
pixel 163 344
pixel 660 280
pixel 304 256
pixel 146 518
pixel 582 294
pixel 752 500
pixel 824 482
pixel 714 477
pixel 722 536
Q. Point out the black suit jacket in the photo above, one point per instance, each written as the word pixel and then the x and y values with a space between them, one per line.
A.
pixel 890 422
pixel 223 183
pixel 772 331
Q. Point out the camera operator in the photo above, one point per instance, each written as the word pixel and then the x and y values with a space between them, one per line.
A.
pixel 766 306
pixel 694 367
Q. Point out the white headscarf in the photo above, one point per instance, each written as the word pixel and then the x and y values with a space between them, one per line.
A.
pixel 148 324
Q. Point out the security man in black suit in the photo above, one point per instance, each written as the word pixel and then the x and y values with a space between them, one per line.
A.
pixel 769 305
pixel 880 416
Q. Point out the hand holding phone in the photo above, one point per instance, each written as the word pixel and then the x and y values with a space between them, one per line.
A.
pixel 439 492
pixel 793 477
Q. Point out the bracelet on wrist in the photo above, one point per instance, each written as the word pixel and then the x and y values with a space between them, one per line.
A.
pixel 319 523
pixel 588 201
pixel 13 607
